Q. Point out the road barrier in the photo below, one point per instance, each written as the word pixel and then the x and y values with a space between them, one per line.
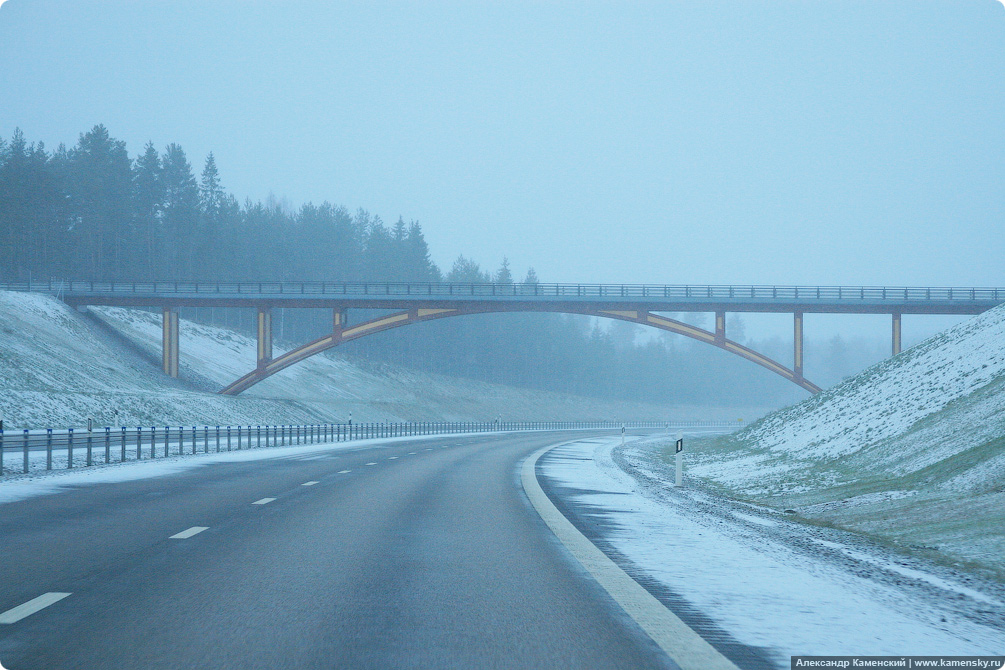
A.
pixel 420 290
pixel 55 448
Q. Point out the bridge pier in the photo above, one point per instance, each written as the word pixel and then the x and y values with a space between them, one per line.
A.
pixel 339 317
pixel 720 328
pixel 797 344
pixel 896 333
pixel 169 342
pixel 264 330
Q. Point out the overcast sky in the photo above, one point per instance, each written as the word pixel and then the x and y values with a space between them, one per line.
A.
pixel 682 142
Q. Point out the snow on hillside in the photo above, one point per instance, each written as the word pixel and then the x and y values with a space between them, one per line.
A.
pixel 912 449
pixel 58 367
pixel 926 405
pixel 889 398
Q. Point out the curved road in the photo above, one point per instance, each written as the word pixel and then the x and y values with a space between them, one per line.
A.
pixel 419 554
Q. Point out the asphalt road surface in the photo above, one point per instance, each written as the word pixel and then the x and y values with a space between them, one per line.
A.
pixel 421 554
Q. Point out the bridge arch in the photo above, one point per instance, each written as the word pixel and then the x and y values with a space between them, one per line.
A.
pixel 270 366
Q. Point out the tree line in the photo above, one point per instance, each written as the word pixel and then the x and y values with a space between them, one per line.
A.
pixel 92 212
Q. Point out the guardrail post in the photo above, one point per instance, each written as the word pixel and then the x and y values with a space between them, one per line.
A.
pixel 48 448
pixel 89 461
pixel 139 436
pixel 108 444
pixel 228 438
pixel 25 451
pixel 1 452
pixel 123 445
pixel 239 427
pixel 69 448
pixel 218 439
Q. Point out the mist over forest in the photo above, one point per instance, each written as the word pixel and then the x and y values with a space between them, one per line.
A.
pixel 93 212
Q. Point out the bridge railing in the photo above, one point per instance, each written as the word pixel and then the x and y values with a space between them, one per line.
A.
pixel 24 451
pixel 461 290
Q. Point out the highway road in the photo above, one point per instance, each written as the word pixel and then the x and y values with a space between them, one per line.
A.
pixel 416 554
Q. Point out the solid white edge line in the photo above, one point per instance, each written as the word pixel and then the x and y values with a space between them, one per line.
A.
pixel 263 501
pixel 15 614
pixel 688 649
pixel 188 532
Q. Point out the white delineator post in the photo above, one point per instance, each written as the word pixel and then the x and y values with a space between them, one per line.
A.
pixel 679 456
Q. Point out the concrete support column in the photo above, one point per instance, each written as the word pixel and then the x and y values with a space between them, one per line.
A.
pixel 797 346
pixel 338 319
pixel 169 342
pixel 720 327
pixel 264 331
pixel 896 334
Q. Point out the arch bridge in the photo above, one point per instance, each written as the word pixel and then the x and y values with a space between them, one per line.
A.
pixel 414 303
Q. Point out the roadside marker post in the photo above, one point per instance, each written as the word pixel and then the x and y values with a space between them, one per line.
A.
pixel 679 456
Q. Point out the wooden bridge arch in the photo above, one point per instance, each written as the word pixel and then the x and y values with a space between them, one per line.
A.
pixel 268 366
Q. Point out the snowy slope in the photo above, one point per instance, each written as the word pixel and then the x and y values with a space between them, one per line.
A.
pixel 58 367
pixel 912 449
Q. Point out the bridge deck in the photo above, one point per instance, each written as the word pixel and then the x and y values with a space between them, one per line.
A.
pixel 520 297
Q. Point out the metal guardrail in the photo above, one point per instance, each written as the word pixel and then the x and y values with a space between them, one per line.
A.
pixel 26 450
pixel 460 290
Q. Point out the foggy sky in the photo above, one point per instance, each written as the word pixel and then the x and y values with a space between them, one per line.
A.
pixel 673 142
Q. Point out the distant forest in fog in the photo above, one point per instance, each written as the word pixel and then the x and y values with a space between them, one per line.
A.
pixel 92 212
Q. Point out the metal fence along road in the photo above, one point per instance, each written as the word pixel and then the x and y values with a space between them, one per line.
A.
pixel 374 293
pixel 27 450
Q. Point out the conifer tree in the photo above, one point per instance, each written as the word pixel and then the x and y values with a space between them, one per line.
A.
pixel 181 212
pixel 101 185
pixel 148 208
pixel 503 274
pixel 418 254
pixel 211 194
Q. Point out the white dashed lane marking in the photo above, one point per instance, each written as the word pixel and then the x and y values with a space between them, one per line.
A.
pixel 371 464
pixel 310 483
pixel 411 453
pixel 344 472
pixel 15 614
pixel 391 458
pixel 185 534
pixel 263 501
